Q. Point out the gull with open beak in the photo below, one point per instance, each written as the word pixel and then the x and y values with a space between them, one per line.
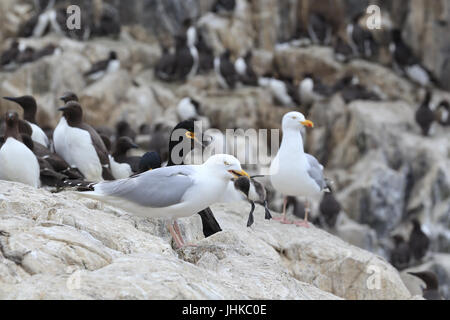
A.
pixel 294 172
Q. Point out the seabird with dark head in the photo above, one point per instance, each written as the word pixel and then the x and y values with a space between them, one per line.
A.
pixel 400 254
pixel 17 162
pixel 254 192
pixel 424 115
pixel 431 291
pixel 183 138
pixel 225 71
pixel 245 70
pixel 165 68
pixel 361 39
pixel 149 161
pixel 407 61
pixel 80 145
pixel 102 67
pixel 418 241
pixel 29 106
pixel 188 109
pixel 187 59
pixel 120 155
pixel 329 208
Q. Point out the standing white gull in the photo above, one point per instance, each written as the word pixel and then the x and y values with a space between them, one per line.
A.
pixel 294 172
pixel 171 192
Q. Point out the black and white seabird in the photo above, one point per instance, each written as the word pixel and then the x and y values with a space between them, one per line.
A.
pixel 183 138
pixel 186 54
pixel 400 254
pixel 431 290
pixel 319 30
pixel 17 162
pixel 329 208
pixel 130 164
pixel 254 192
pixel 418 241
pixel 42 152
pixel 361 39
pixel 188 109
pixel 406 60
pixel 205 53
pixel 281 91
pixel 29 106
pixel 245 70
pixel 424 116
pixel 80 145
pixel 165 68
pixel 351 89
pixel 225 71
pixel 311 90
pixel 442 113
pixel 102 67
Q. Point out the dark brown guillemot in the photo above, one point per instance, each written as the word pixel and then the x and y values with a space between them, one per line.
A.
pixel 431 291
pixel 80 145
pixel 17 161
pixel 225 71
pixel 29 106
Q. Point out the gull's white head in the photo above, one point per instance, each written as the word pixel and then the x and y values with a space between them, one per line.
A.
pixel 295 120
pixel 226 166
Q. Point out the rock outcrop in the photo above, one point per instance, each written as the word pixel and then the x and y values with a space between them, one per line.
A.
pixel 61 246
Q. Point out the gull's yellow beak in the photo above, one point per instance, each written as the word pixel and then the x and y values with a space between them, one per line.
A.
pixel 238 174
pixel 307 123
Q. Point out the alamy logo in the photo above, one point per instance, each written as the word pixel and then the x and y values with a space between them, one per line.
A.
pixel 374 19
pixel 73 21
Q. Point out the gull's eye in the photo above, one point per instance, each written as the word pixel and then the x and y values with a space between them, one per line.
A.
pixel 294 117
pixel 226 163
pixel 190 135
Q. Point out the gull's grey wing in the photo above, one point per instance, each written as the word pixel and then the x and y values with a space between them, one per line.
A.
pixel 315 171
pixel 157 188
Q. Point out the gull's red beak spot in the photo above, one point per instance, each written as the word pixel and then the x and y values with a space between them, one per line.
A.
pixel 307 123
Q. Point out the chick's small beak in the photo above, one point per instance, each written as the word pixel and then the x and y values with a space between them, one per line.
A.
pixel 307 123
pixel 238 174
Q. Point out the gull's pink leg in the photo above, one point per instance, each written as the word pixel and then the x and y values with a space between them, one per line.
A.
pixel 178 231
pixel 283 218
pixel 178 242
pixel 304 223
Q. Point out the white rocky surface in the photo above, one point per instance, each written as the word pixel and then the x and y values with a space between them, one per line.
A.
pixel 61 246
